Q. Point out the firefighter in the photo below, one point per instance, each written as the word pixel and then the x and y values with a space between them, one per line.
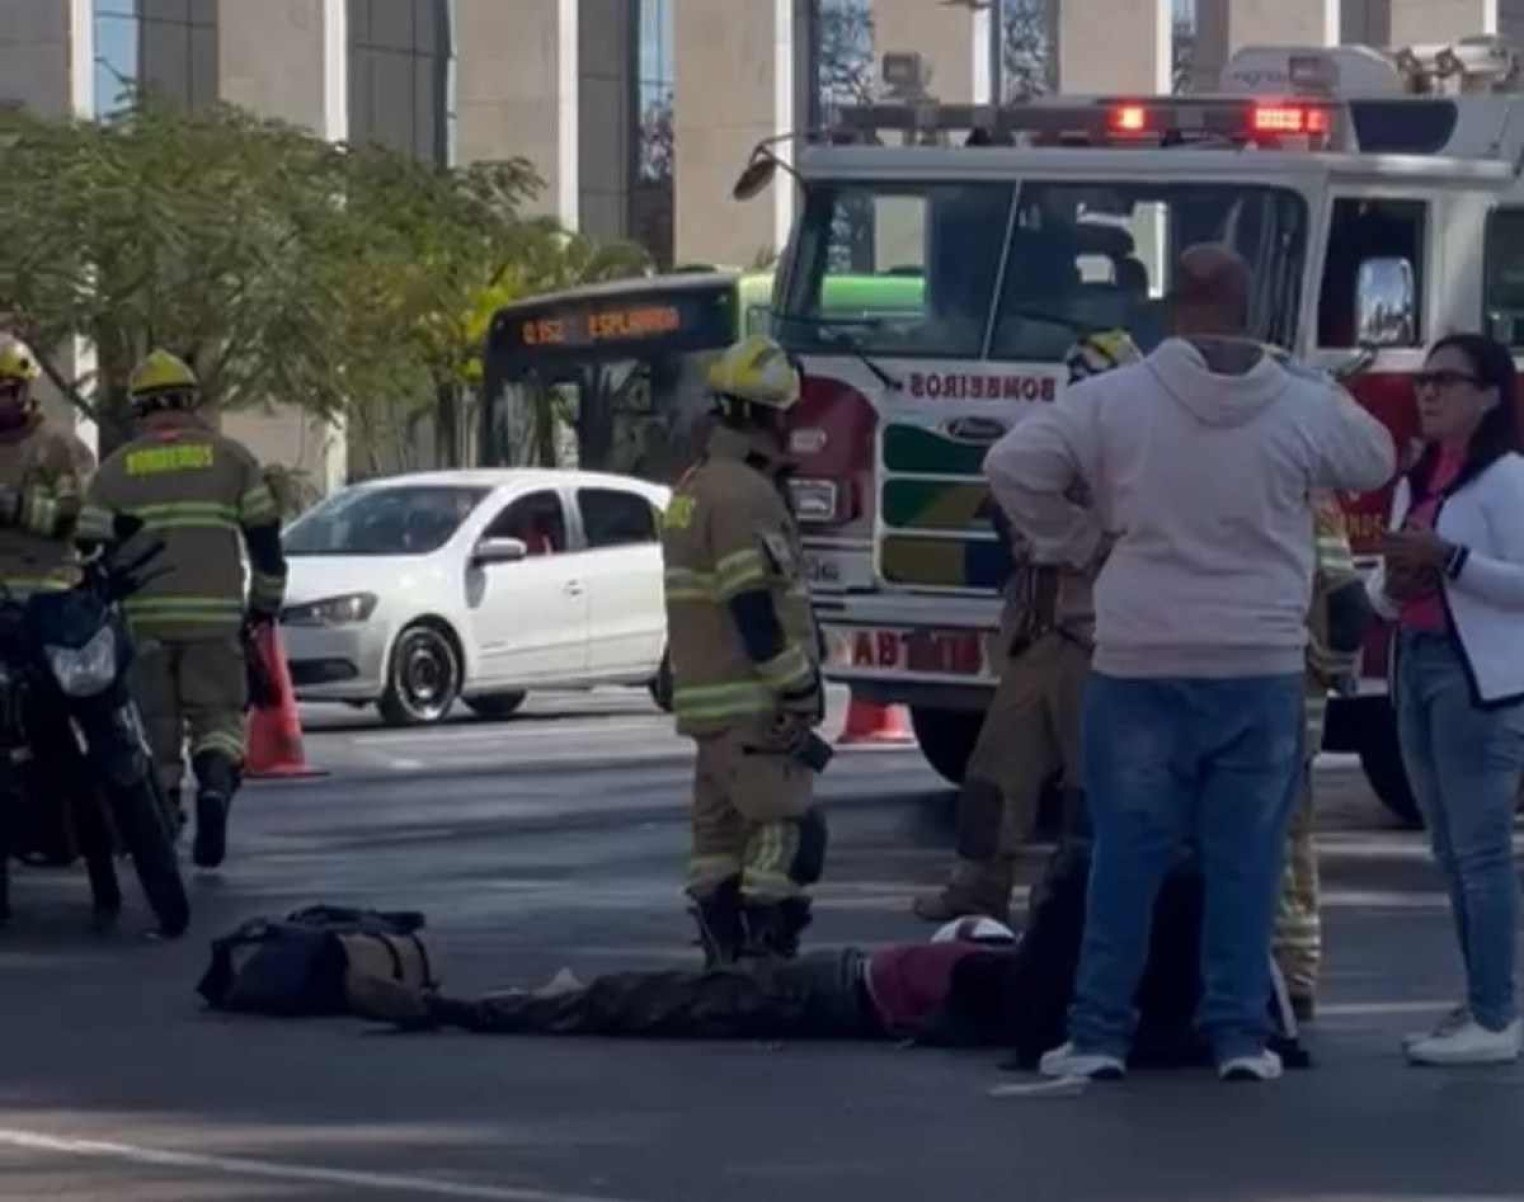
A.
pixel 40 486
pixel 199 493
pixel 1031 731
pixel 1337 621
pixel 745 662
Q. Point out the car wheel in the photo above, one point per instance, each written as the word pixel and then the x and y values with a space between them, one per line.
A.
pixel 661 684
pixel 496 706
pixel 947 739
pixel 424 678
pixel 1381 758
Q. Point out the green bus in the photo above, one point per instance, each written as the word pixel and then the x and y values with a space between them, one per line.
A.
pixel 612 376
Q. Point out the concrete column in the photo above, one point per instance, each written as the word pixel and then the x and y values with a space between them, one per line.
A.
pixel 288 59
pixel 1424 22
pixel 1225 26
pixel 953 39
pixel 516 88
pixel 271 59
pixel 1112 47
pixel 735 86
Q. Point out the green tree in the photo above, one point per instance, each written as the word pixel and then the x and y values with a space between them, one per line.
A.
pixel 162 228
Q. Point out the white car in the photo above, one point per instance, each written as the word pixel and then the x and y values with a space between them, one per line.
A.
pixel 413 591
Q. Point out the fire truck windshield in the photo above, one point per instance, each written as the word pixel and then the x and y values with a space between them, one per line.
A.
pixel 1019 272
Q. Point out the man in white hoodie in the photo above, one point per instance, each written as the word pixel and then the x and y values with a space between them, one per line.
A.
pixel 1201 461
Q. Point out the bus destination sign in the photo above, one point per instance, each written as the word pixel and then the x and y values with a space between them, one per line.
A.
pixel 621 324
pixel 690 319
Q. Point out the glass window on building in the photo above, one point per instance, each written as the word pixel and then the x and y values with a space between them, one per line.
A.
pixel 168 46
pixel 651 199
pixel 400 71
pixel 116 53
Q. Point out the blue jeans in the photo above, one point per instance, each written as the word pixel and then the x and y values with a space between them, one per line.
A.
pixel 1464 764
pixel 1174 766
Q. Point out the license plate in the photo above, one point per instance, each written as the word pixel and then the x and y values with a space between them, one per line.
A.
pixel 915 651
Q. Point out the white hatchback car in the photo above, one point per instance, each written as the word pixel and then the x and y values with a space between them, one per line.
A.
pixel 413 591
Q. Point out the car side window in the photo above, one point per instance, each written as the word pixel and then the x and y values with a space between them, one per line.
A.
pixel 1503 293
pixel 1363 229
pixel 535 519
pixel 612 518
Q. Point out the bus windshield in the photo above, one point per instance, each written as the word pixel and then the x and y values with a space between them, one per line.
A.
pixel 615 378
pixel 1019 273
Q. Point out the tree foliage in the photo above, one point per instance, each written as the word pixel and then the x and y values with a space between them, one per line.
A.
pixel 355 283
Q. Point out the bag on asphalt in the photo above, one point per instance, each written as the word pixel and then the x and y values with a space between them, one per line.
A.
pixel 295 967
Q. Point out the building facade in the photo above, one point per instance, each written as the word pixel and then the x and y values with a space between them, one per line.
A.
pixel 638 114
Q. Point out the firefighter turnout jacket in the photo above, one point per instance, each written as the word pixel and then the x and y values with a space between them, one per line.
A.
pixel 202 495
pixel 727 532
pixel 39 477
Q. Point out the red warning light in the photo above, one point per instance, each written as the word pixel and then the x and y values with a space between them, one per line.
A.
pixel 1293 119
pixel 1130 119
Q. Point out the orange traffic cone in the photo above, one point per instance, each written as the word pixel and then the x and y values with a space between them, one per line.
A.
pixel 869 722
pixel 275 732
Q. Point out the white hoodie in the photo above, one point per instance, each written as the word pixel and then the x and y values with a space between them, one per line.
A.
pixel 1202 474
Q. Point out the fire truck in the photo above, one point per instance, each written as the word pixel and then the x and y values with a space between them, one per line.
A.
pixel 1376 195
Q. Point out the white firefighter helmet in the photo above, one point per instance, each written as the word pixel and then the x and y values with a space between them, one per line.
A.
pixel 1100 352
pixel 974 929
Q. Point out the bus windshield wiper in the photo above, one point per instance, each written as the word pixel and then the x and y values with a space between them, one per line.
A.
pixel 834 331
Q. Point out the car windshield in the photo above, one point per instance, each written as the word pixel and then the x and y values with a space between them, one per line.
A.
pixel 1021 273
pixel 397 520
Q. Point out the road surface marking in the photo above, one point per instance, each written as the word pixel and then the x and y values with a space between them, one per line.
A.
pixel 1369 1009
pixel 32 1141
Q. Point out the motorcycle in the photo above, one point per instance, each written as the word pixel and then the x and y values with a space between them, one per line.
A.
pixel 76 775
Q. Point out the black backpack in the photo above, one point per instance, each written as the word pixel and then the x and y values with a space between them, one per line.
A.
pixel 296 966
pixel 1021 998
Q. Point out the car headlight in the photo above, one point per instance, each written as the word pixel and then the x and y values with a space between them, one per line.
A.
pixel 331 611
pixel 88 670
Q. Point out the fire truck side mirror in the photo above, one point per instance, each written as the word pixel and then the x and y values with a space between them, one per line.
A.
pixel 1386 303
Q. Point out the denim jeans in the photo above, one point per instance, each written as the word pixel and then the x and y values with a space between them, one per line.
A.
pixel 1464 765
pixel 1175 766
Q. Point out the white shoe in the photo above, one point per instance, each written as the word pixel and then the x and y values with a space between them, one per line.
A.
pixel 1471 1043
pixel 1452 1022
pixel 1092 1066
pixel 1264 1065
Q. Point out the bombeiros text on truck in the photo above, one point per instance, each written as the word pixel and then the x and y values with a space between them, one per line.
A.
pixel 1376 195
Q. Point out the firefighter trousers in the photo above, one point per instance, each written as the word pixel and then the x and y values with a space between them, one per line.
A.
pixel 1298 923
pixel 192 690
pixel 1031 733
pixel 820 995
pixel 749 797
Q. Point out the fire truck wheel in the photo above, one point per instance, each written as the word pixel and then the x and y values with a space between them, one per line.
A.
pixel 947 738
pixel 1381 758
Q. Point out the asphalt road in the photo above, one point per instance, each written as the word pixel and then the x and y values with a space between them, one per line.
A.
pixel 556 839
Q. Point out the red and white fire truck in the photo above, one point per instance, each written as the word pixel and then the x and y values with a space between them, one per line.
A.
pixel 1377 197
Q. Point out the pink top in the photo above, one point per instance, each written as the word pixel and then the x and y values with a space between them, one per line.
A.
pixel 1427 613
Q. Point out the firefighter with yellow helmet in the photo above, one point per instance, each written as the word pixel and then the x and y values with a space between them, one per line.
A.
pixel 40 484
pixel 745 656
pixel 206 498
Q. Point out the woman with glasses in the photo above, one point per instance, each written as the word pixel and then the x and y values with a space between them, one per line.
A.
pixel 1453 582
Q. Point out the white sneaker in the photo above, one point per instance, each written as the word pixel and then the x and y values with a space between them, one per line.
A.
pixel 1471 1043
pixel 1264 1065
pixel 1092 1066
pixel 1452 1022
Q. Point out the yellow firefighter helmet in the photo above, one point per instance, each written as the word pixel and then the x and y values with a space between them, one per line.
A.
pixel 758 371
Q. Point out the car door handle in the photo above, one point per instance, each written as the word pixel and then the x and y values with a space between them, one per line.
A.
pixel 573 588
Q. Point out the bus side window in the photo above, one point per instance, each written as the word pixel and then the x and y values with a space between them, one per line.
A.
pixel 1503 291
pixel 1364 229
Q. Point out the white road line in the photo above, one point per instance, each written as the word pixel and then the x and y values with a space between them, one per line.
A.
pixel 31 1141
pixel 500 734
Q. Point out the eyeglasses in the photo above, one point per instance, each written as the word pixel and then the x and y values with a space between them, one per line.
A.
pixel 1444 379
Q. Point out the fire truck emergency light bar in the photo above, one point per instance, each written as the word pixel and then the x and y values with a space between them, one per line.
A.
pixel 1165 121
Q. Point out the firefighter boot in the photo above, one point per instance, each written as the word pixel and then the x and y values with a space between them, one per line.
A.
pixel 975 889
pixel 217 779
pixel 718 915
pixel 773 928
